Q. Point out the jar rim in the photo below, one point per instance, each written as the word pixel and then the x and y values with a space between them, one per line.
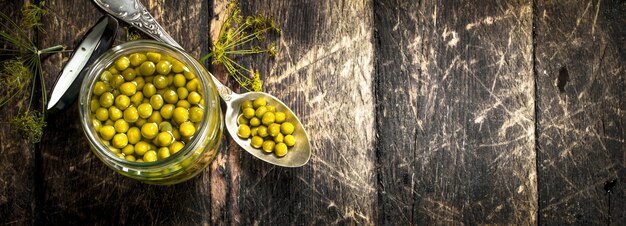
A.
pixel 205 129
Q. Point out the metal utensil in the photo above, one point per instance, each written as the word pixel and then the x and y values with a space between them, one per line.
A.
pixel 134 13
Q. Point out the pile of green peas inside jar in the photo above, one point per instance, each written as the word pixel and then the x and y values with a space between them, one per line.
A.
pixel 146 106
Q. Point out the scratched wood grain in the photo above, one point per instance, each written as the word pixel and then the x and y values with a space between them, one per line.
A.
pixel 324 73
pixel 17 161
pixel 455 113
pixel 581 96
pixel 78 187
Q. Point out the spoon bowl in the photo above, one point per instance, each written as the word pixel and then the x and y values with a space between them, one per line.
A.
pixel 134 13
pixel 298 155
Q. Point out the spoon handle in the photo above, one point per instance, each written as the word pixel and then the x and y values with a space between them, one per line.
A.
pixel 136 14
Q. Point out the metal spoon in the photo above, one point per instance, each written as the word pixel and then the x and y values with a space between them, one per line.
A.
pixel 134 13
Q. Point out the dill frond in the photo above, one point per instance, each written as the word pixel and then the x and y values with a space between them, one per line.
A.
pixel 234 34
pixel 30 125
pixel 32 16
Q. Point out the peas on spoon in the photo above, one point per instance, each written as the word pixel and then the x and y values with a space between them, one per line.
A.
pixel 298 155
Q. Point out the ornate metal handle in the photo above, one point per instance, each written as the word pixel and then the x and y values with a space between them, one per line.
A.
pixel 134 13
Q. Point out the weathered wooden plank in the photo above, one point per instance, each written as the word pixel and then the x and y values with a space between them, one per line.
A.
pixel 581 95
pixel 17 164
pixel 324 71
pixel 78 187
pixel 455 113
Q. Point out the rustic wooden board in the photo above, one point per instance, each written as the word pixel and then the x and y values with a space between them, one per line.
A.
pixel 581 96
pixel 324 71
pixel 17 162
pixel 77 186
pixel 455 113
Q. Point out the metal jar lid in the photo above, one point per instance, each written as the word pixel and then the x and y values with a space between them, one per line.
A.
pixel 96 41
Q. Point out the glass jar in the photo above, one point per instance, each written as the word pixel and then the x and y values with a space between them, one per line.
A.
pixel 198 151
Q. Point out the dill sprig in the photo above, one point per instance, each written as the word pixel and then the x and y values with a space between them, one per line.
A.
pixel 235 32
pixel 22 67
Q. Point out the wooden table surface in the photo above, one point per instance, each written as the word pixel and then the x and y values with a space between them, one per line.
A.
pixel 419 113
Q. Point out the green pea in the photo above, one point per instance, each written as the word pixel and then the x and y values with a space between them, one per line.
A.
pixel 97 124
pixel 128 88
pixel 122 63
pixel 107 132
pixel 131 114
pixel 163 67
pixel 259 102
pixel 254 131
pixel 246 104
pixel 243 131
pixel 165 126
pixel 106 99
pixel 94 104
pixel 130 158
pixel 279 117
pixel 189 75
pixel 102 114
pixel 180 80
pixel 274 129
pixel 241 120
pixel 279 138
pixel 268 118
pixel 182 93
pixel 280 149
pixel 149 130
pixel 129 150
pixel 194 97
pixel 136 99
pixel 150 156
pixel 117 80
pixel 164 153
pixel 176 146
pixel 271 108
pixel 122 102
pixel 115 113
pixel 147 68
pixel 119 140
pixel 170 96
pixel 109 122
pixel 196 114
pixel 164 139
pixel 137 59
pixel 290 140
pixel 192 85
pixel 268 146
pixel 180 115
pixel 121 126
pixel 155 117
pixel 129 74
pixel 256 141
pixel 141 148
pixel 187 129
pixel 260 111
pixel 100 87
pixel 140 82
pixel 248 113
pixel 154 57
pixel 144 110
pixel 286 128
pixel 183 103
pixel 106 76
pixel 113 71
pixel 134 135
pixel 149 89
pixel 156 101
pixel 167 111
pixel 159 81
pixel 262 131
pixel 140 122
pixel 254 121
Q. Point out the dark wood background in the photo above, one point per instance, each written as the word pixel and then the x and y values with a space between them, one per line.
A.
pixel 419 112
